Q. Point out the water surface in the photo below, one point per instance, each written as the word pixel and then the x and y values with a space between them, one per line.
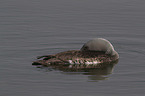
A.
pixel 29 28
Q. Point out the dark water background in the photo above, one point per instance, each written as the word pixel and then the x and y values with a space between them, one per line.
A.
pixel 29 28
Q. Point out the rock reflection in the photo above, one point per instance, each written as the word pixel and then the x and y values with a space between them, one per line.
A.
pixel 94 72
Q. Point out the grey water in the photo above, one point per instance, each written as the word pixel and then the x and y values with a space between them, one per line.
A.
pixel 31 28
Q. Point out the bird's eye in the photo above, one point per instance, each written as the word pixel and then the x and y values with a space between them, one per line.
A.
pixel 86 48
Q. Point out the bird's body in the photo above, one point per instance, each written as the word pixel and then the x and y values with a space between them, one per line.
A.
pixel 84 56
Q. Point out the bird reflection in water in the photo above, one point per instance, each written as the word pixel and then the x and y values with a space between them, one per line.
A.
pixel 94 72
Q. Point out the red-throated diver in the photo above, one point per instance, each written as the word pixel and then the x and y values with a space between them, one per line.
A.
pixel 95 51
